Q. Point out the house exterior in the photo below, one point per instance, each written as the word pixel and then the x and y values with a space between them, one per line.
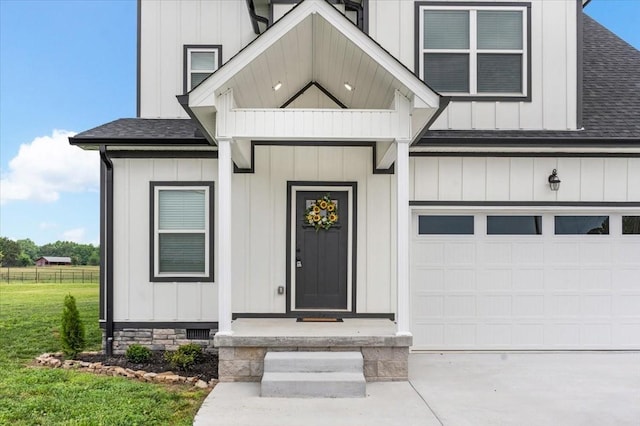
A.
pixel 466 172
pixel 53 260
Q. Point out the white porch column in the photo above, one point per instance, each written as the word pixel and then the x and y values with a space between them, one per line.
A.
pixel 402 237
pixel 225 169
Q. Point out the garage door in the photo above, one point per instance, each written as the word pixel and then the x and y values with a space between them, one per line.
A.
pixel 525 280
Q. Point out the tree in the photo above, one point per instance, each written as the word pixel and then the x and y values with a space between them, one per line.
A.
pixel 94 259
pixel 72 333
pixel 29 248
pixel 25 260
pixel 10 252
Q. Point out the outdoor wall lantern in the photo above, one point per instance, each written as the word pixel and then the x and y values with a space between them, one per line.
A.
pixel 554 180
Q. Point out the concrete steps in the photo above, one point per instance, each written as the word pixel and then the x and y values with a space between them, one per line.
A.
pixel 313 375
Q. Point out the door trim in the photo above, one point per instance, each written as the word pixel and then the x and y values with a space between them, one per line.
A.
pixel 292 188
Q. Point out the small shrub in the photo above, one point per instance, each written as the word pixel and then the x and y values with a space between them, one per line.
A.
pixel 138 354
pixel 72 331
pixel 185 357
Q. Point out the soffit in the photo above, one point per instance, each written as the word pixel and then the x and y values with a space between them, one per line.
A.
pixel 314 51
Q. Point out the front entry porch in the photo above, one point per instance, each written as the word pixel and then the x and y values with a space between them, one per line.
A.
pixel 241 354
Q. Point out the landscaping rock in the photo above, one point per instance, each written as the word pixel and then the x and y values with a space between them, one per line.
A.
pixel 54 361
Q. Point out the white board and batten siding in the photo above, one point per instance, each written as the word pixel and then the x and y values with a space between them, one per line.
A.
pixel 524 179
pixel 166 27
pixel 553 68
pixel 260 225
pixel 169 25
pixel 135 297
pixel 539 292
pixel 258 229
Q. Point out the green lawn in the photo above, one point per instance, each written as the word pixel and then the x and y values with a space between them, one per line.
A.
pixel 29 321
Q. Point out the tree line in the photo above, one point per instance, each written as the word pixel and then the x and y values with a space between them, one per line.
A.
pixel 25 252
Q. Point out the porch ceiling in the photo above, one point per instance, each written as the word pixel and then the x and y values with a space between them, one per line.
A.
pixel 314 42
pixel 314 51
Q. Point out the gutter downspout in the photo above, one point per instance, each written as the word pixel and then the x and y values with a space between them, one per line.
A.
pixel 255 18
pixel 106 244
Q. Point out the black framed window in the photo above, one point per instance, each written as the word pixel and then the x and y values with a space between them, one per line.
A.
pixel 514 225
pixel 471 50
pixel 181 227
pixel 445 225
pixel 200 61
pixel 581 225
pixel 631 225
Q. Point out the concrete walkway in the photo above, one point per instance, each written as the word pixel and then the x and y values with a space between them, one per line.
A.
pixel 571 389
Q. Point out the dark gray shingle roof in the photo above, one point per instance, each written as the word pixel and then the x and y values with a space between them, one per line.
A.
pixel 128 130
pixel 611 98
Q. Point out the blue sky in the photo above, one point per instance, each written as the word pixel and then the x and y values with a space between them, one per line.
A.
pixel 68 66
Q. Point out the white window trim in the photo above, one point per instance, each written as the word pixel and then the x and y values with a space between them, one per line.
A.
pixel 473 51
pixel 216 50
pixel 178 186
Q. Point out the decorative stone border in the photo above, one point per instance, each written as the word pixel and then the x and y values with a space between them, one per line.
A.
pixel 167 377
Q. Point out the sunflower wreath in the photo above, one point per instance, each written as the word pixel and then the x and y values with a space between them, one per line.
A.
pixel 322 213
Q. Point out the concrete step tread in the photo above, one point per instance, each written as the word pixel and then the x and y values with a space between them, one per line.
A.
pixel 313 362
pixel 313 355
pixel 312 377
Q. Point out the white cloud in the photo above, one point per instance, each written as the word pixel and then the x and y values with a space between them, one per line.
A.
pixel 48 225
pixel 47 166
pixel 76 235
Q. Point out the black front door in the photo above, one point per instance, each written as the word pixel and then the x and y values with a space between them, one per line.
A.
pixel 321 255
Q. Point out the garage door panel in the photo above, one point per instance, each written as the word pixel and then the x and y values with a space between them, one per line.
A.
pixel 596 335
pixel 495 253
pixel 529 335
pixel 460 336
pixel 495 306
pixel 566 306
pixel 428 254
pixel 563 279
pixel 628 252
pixel 527 253
pixel 460 253
pixel 460 280
pixel 531 292
pixel 563 253
pixel 627 305
pixel 528 280
pixel 459 306
pixel 595 253
pixel 596 306
pixel 494 280
pixel 625 279
pixel 428 305
pixel 627 335
pixel 427 279
pixel 595 279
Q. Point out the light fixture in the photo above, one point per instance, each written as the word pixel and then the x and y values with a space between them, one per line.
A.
pixel 348 86
pixel 277 86
pixel 554 180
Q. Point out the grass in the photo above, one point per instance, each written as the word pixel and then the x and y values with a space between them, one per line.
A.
pixel 29 322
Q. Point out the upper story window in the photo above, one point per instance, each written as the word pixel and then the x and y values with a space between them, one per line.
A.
pixel 475 51
pixel 199 62
pixel 181 228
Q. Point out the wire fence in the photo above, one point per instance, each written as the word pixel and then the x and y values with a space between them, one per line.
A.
pixel 49 275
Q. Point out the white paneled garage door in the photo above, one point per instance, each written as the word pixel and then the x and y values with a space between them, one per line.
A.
pixel 542 280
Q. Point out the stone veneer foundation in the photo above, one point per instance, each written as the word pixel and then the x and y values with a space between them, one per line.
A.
pixel 156 339
pixel 241 359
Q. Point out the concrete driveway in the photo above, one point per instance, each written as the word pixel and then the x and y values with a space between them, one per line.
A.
pixel 577 388
pixel 456 389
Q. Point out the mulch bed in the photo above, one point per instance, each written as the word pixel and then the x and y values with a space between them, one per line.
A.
pixel 205 370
